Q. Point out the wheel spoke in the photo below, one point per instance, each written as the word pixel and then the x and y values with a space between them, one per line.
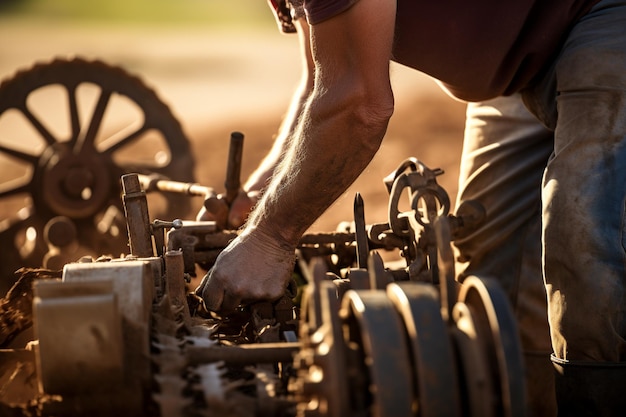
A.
pixel 23 156
pixel 45 133
pixel 74 119
pixel 11 188
pixel 96 120
pixel 11 226
pixel 127 140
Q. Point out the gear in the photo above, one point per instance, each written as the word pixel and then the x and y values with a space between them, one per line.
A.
pixel 68 130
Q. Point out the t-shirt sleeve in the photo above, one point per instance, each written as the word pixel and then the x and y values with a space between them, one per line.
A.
pixel 319 10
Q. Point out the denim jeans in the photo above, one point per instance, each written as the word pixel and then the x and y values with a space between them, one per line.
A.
pixel 505 152
pixel 504 155
pixel 583 97
pixel 555 195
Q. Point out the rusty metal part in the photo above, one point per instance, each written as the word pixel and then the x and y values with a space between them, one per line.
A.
pixel 497 329
pixel 474 372
pixel 376 336
pixel 445 262
pixel 321 386
pixel 93 331
pixel 16 307
pixel 218 205
pixel 87 315
pixel 421 183
pixel 435 368
pixel 362 245
pixel 244 354
pixel 138 219
pixel 368 344
pixel 232 183
pixel 152 183
pixel 175 283
pixel 73 169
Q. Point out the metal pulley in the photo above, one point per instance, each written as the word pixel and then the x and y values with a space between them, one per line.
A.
pixel 435 348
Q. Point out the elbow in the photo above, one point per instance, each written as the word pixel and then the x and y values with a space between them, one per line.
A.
pixel 356 110
pixel 372 114
pixel 375 112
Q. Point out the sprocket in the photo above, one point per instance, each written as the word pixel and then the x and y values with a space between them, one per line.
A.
pixel 69 129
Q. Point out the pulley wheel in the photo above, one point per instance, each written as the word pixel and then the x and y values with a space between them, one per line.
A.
pixel 496 330
pixel 475 376
pixel 68 130
pixel 376 335
pixel 431 349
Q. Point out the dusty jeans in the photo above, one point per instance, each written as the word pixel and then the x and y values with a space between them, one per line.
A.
pixel 555 201
pixel 584 188
pixel 567 187
pixel 505 153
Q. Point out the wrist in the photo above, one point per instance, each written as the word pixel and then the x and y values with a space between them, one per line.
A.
pixel 274 243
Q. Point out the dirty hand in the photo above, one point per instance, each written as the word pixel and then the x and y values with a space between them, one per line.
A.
pixel 253 267
pixel 228 215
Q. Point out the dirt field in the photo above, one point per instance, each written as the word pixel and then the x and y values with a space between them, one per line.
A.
pixel 216 82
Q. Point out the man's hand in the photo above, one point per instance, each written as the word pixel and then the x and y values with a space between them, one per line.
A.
pixel 253 267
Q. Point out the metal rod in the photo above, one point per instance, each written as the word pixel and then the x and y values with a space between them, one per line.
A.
pixel 151 183
pixel 232 184
pixel 243 354
pixel 137 217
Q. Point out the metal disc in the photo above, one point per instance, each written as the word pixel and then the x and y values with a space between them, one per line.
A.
pixel 375 328
pixel 474 374
pixel 497 329
pixel 433 361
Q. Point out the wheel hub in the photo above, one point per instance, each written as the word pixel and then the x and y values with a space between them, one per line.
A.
pixel 74 186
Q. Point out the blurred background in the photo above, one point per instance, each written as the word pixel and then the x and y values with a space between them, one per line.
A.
pixel 201 55
pixel 223 66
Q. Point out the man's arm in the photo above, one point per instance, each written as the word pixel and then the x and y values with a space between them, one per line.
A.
pixel 338 134
pixel 258 180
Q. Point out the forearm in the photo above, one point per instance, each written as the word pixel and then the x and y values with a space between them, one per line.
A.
pixel 342 124
pixel 338 132
pixel 258 180
pixel 335 142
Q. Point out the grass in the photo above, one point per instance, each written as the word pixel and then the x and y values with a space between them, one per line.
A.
pixel 216 13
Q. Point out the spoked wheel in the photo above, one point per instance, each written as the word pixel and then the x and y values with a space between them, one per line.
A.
pixel 68 130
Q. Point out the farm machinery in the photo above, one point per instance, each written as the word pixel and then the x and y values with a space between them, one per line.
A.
pixel 118 329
